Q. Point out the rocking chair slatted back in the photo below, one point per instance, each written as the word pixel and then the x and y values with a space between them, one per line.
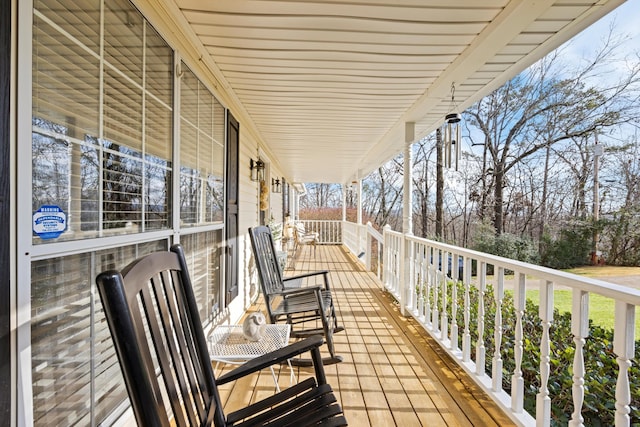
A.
pixel 270 272
pixel 159 331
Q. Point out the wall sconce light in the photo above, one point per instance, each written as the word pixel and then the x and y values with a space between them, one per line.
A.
pixel 275 185
pixel 257 170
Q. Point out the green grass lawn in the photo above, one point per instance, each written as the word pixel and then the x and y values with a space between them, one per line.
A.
pixel 601 309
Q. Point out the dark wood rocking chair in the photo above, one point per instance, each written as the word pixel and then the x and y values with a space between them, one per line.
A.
pixel 153 318
pixel 308 309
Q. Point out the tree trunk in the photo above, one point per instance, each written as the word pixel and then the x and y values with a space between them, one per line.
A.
pixel 439 185
pixel 543 207
pixel 498 212
pixel 383 199
pixel 424 207
pixel 483 192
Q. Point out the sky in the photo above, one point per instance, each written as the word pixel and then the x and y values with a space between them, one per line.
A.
pixel 626 21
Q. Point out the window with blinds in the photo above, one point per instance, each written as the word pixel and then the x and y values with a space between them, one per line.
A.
pixel 102 150
pixel 75 371
pixel 201 153
pixel 103 158
pixel 204 252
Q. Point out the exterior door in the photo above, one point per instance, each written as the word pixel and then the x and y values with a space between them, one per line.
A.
pixel 233 145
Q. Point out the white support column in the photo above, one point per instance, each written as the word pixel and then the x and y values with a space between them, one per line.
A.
pixel 296 207
pixel 359 232
pixel 344 201
pixel 407 226
pixel 407 194
pixel 359 193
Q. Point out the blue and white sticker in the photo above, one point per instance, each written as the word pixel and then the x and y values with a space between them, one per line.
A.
pixel 49 222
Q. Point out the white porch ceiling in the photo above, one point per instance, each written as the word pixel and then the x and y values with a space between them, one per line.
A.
pixel 328 85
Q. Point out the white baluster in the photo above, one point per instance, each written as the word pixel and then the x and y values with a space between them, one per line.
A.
pixel 423 282
pixel 466 341
pixel 396 267
pixel 580 330
pixel 388 249
pixel 517 380
pixel 412 300
pixel 429 276
pixel 454 305
pixel 624 348
pixel 435 320
pixel 444 318
pixel 416 277
pixel 480 348
pixel 543 403
pixel 496 371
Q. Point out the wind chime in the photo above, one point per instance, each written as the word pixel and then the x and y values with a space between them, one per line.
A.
pixel 451 134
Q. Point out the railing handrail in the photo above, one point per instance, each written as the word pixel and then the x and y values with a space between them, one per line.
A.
pixel 563 278
pixel 329 231
pixel 374 233
pixel 588 284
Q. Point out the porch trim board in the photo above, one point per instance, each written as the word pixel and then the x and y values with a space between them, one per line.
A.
pixel 6 300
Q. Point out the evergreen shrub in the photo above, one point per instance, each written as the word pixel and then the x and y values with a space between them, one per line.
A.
pixel 601 367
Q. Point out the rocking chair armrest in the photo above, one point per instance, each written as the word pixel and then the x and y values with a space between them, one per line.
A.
pixel 301 291
pixel 302 276
pixel 325 273
pixel 276 357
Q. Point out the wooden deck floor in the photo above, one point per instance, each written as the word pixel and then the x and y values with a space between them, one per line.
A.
pixel 393 373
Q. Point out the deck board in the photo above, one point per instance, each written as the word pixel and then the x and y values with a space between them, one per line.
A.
pixel 393 373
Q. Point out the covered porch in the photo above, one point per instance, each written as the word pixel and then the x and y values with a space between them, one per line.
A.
pixel 139 127
pixel 489 321
pixel 393 373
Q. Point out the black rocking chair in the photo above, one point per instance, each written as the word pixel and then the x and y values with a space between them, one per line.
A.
pixel 153 318
pixel 308 309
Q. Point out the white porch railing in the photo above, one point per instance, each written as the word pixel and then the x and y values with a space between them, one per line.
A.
pixel 329 231
pixel 366 243
pixel 353 237
pixel 418 273
pixel 421 275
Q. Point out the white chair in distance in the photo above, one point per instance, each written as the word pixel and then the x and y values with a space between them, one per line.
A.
pixel 303 237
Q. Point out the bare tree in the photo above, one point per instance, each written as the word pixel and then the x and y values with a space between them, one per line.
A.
pixel 321 195
pixel 544 106
pixel 382 194
pixel 422 183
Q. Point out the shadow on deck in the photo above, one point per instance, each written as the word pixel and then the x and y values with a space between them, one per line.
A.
pixel 393 373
